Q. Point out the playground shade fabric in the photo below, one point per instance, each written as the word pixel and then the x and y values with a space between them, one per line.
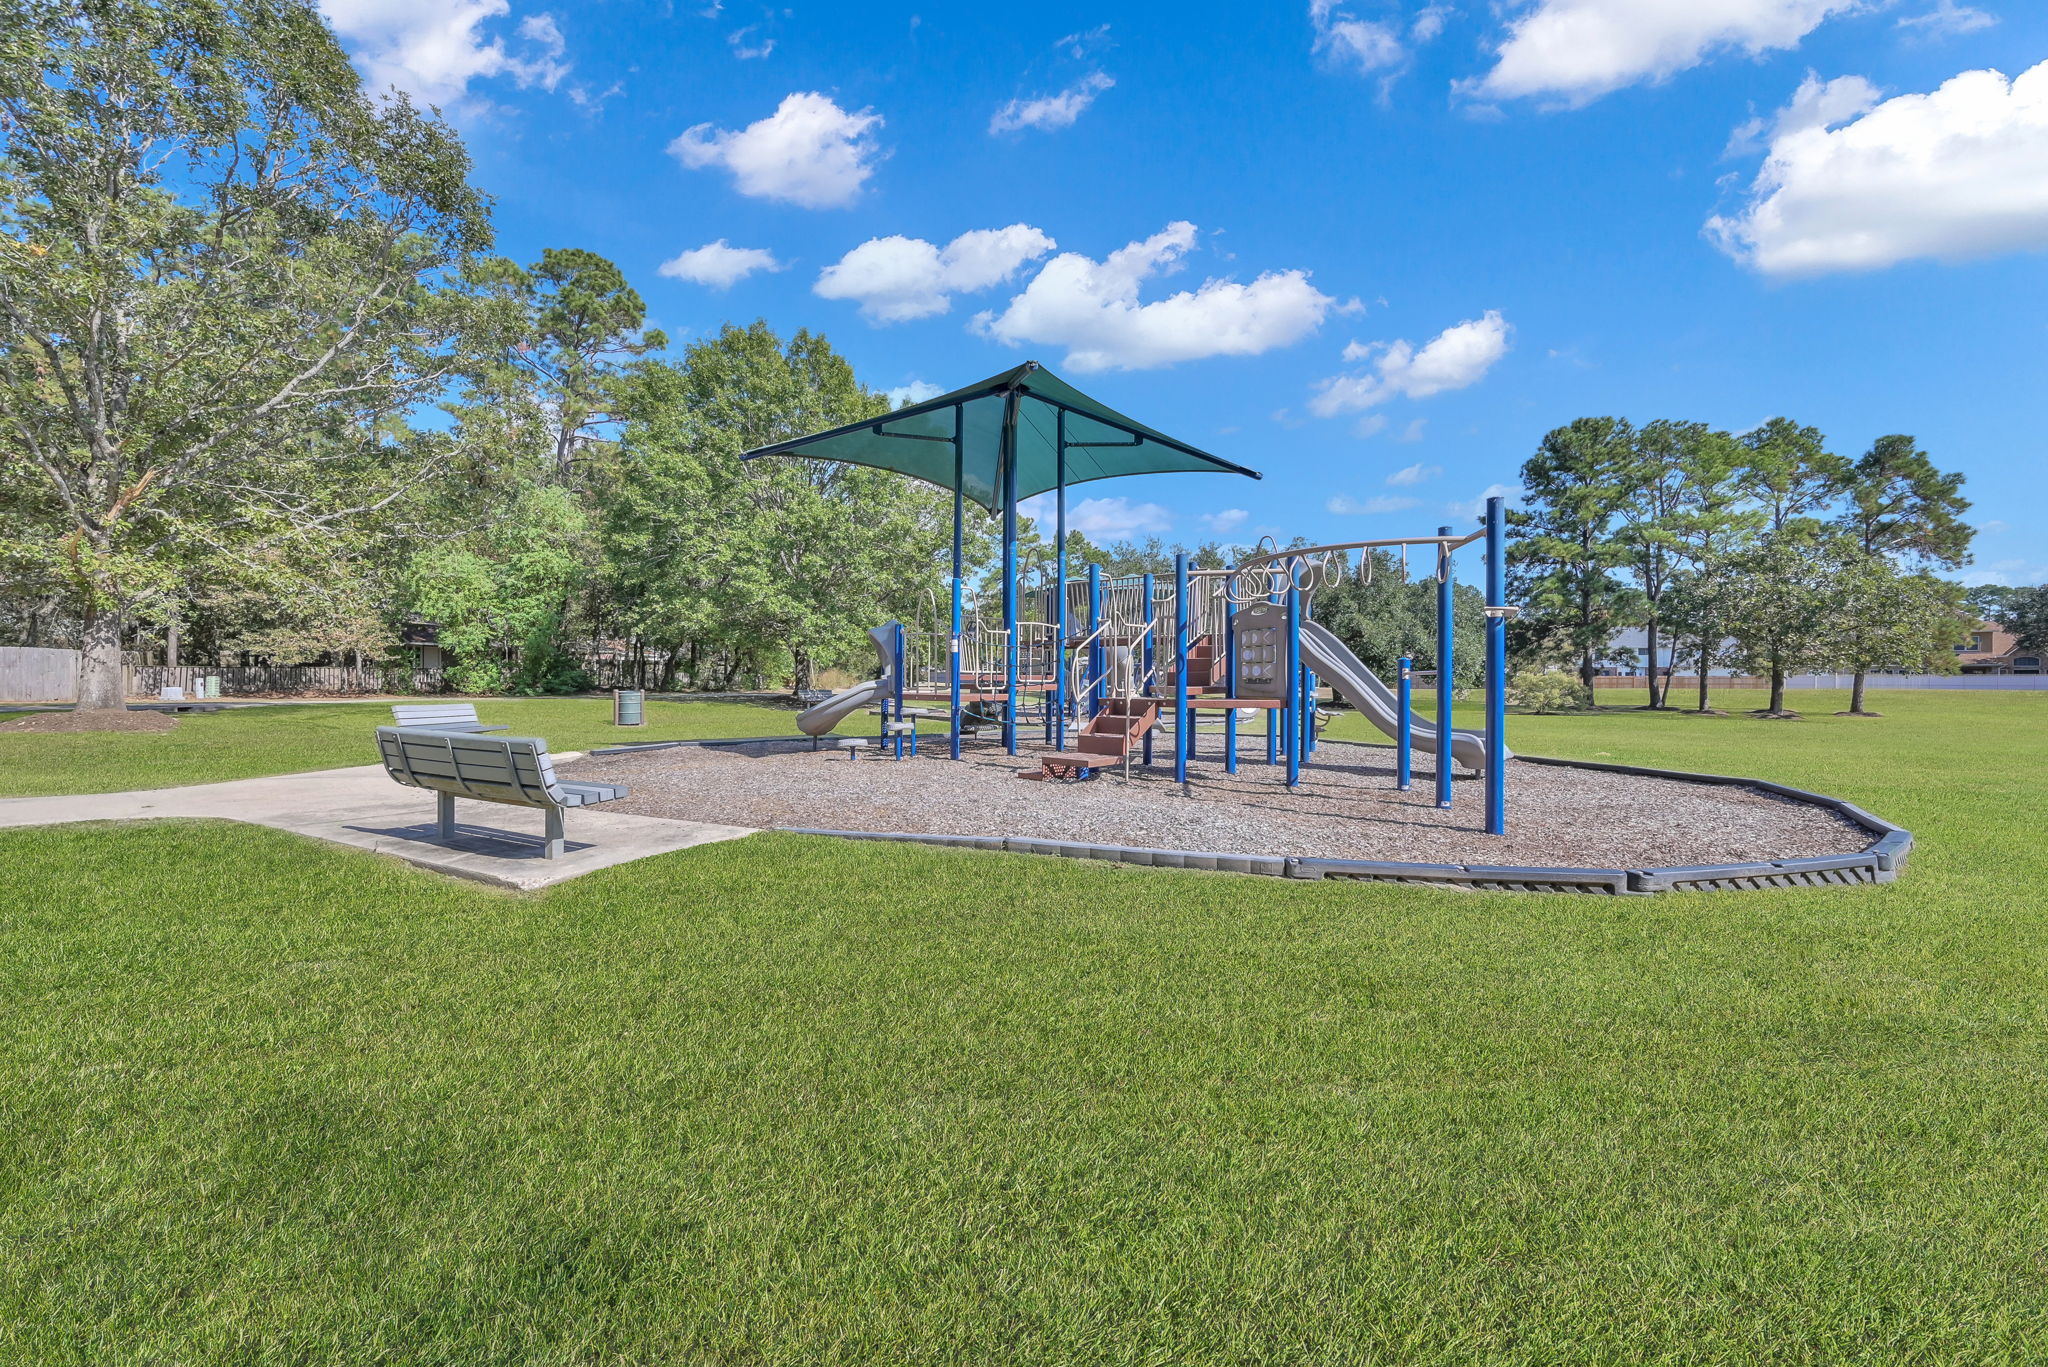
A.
pixel 917 440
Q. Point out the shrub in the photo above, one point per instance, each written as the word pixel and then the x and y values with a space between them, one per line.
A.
pixel 1547 690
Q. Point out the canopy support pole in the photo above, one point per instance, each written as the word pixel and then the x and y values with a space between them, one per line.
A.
pixel 1009 459
pixel 1059 649
pixel 959 510
pixel 1444 600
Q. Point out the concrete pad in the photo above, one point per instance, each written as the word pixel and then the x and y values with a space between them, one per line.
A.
pixel 362 808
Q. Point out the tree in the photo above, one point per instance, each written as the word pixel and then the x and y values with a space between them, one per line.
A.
pixel 2024 613
pixel 570 327
pixel 1649 518
pixel 220 263
pixel 1782 601
pixel 1565 553
pixel 1888 618
pixel 1711 523
pixel 1900 507
pixel 781 564
pixel 497 595
pixel 1790 472
pixel 1383 616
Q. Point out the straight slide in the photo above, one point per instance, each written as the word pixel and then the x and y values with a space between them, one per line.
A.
pixel 1333 661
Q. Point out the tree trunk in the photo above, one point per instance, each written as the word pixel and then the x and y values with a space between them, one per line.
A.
pixel 1706 656
pixel 1586 668
pixel 1856 694
pixel 801 659
pixel 1777 687
pixel 100 685
pixel 171 643
pixel 1656 690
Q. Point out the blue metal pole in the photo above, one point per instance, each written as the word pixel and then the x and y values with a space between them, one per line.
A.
pixel 1229 680
pixel 1444 585
pixel 1093 701
pixel 1145 664
pixel 896 673
pixel 1274 715
pixel 1497 669
pixel 1293 683
pixel 1010 571
pixel 1059 652
pixel 1404 729
pixel 1308 698
pixel 1180 669
pixel 959 512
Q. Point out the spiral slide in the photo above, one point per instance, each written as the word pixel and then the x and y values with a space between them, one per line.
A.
pixel 820 718
pixel 1333 661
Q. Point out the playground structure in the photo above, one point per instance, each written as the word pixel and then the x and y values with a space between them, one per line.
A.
pixel 1106 664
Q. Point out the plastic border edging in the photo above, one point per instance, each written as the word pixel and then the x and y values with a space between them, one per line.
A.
pixel 1880 862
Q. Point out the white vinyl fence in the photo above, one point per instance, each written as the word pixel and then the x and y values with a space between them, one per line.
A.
pixel 1993 681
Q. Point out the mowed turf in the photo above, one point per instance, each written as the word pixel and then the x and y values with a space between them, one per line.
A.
pixel 213 747
pixel 790 1100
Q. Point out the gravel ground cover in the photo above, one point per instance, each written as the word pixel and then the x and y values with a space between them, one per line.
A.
pixel 1347 806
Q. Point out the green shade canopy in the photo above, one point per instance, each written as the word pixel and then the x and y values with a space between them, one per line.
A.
pixel 917 440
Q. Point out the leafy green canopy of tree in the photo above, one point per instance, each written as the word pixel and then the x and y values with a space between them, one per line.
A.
pixel 780 565
pixel 1383 616
pixel 1765 551
pixel 1564 558
pixel 2024 612
pixel 219 297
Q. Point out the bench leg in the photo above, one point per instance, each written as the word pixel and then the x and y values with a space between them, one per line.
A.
pixel 445 809
pixel 556 840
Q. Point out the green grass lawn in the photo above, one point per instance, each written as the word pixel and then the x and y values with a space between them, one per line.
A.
pixel 211 747
pixel 795 1101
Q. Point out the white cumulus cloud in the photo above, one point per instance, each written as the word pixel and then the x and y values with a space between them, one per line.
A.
pixel 809 152
pixel 1361 44
pixel 1378 503
pixel 719 264
pixel 1048 112
pixel 1100 519
pixel 1410 475
pixel 1579 50
pixel 1092 308
pixel 433 49
pixel 1513 493
pixel 1947 20
pixel 1816 104
pixel 1456 357
pixel 896 279
pixel 1225 522
pixel 1959 172
pixel 917 391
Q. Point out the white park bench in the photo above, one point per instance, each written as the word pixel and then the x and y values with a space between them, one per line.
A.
pixel 514 770
pixel 441 716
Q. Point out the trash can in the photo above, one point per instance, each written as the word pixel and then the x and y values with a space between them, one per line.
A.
pixel 629 707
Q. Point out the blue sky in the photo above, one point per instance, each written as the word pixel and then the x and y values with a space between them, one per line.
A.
pixel 1374 249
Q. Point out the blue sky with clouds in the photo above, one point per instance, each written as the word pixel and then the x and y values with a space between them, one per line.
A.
pixel 1373 248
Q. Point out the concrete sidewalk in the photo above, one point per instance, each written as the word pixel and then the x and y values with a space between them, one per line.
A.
pixel 361 807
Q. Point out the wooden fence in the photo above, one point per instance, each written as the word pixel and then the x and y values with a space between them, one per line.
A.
pixel 149 681
pixel 31 674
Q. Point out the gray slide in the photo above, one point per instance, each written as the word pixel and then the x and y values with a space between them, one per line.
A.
pixel 819 718
pixel 1333 662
